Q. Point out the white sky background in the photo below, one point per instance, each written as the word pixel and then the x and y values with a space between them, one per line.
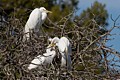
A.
pixel 113 7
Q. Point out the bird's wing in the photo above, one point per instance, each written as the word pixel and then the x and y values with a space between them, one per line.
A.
pixel 38 60
pixel 49 57
pixel 61 45
pixel 35 19
pixel 48 54
pixel 67 45
pixel 32 66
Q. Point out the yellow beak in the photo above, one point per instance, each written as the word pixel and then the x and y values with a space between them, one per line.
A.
pixel 51 45
pixel 48 11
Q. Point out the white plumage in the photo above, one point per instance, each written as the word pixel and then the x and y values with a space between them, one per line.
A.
pixel 43 60
pixel 36 19
pixel 64 47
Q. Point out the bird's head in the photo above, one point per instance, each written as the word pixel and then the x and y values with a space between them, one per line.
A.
pixel 53 42
pixel 42 9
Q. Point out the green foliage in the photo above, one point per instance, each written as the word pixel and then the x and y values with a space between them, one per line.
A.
pixel 96 12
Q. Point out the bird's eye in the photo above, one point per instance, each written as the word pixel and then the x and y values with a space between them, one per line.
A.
pixel 43 9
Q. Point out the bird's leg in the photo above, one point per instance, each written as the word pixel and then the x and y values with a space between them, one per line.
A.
pixel 52 66
pixel 26 36
pixel 43 31
pixel 30 33
pixel 37 34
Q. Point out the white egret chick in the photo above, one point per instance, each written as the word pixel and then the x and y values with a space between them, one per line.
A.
pixel 64 47
pixel 43 60
pixel 36 19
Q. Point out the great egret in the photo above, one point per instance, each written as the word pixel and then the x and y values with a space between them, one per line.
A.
pixel 64 47
pixel 43 60
pixel 36 19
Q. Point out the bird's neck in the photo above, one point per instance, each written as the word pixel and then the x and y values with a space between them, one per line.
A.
pixel 44 16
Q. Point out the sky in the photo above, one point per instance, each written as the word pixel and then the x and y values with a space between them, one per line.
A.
pixel 113 8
